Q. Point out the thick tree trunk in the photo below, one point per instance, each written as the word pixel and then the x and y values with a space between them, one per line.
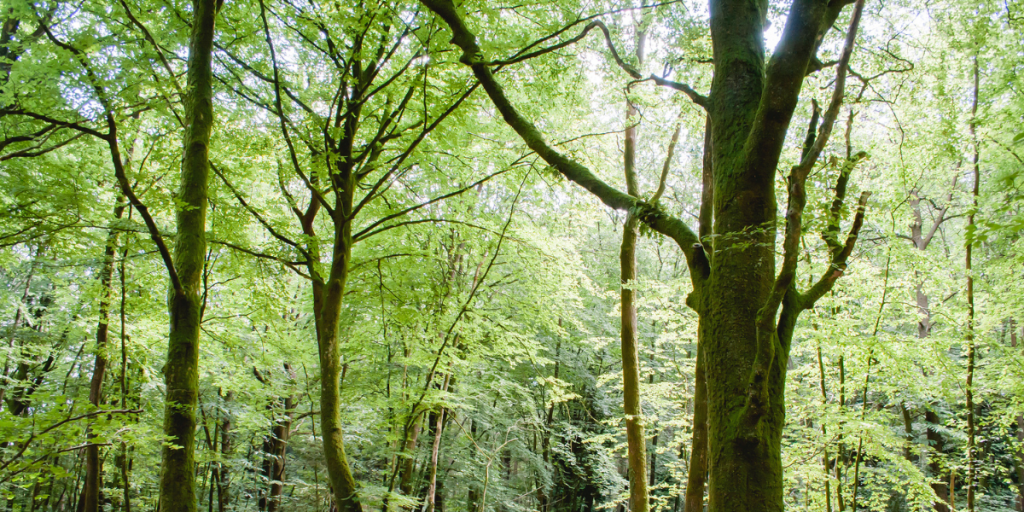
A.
pixel 93 464
pixel 181 372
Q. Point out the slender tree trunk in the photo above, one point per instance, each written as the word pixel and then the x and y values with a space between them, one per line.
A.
pixel 1020 435
pixel 281 433
pixel 435 449
pixel 542 496
pixel 327 302
pixel 638 494
pixel 1020 463
pixel 409 463
pixel 824 436
pixel 181 372
pixel 93 463
pixel 226 448
pixel 639 499
pixel 472 494
pixel 124 458
pixel 698 466
pixel 275 445
pixel 972 476
pixel 697 473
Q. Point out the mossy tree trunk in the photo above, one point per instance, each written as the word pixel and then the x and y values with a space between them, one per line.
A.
pixel 639 500
pixel 181 373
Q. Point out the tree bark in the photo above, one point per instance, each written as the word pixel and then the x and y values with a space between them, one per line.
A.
pixel 226 447
pixel 638 494
pixel 181 372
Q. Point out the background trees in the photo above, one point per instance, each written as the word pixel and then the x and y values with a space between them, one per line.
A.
pixel 477 357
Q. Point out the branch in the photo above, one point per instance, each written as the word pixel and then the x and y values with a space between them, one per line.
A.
pixel 786 73
pixel 423 221
pixel 839 259
pixel 397 162
pixel 58 122
pixel 31 437
pixel 462 311
pixel 368 230
pixel 696 97
pixel 784 79
pixel 665 167
pixel 472 56
pixel 266 225
pixel 317 196
pixel 159 51
pixel 115 157
pixel 250 252
pixel 828 121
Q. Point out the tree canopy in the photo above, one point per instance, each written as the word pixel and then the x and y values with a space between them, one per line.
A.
pixel 550 256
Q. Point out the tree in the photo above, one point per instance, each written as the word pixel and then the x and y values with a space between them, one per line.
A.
pixel 750 107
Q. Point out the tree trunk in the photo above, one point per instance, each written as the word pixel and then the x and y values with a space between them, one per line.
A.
pixel 698 465
pixel 275 444
pixel 409 464
pixel 972 477
pixel 636 440
pixel 181 372
pixel 93 464
pixel 638 494
pixel 224 471
pixel 1020 463
pixel 435 449
pixel 472 494
pixel 697 470
pixel 327 299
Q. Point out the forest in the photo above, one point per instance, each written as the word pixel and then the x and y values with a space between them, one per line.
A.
pixel 543 255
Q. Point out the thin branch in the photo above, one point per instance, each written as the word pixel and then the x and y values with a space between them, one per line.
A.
pixel 266 225
pixel 368 230
pixel 668 163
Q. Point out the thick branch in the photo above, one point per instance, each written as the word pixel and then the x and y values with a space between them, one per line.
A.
pixel 574 171
pixel 839 259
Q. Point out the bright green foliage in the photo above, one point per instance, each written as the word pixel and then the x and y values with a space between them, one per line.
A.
pixel 482 289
